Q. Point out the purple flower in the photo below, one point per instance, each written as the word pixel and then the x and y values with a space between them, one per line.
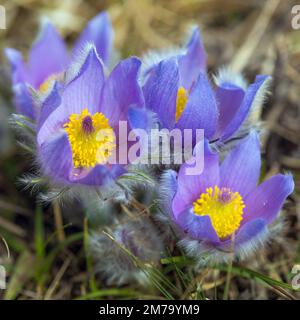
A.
pixel 179 94
pixel 69 145
pixel 49 58
pixel 224 202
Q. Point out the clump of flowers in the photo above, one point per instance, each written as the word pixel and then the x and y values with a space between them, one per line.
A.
pixel 73 108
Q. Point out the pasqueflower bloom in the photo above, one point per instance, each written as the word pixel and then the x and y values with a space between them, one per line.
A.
pixel 223 209
pixel 177 91
pixel 220 111
pixel 49 58
pixel 69 145
pixel 139 237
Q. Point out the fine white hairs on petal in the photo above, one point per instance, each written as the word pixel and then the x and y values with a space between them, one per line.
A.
pixel 123 251
pixel 206 254
pixel 78 60
pixel 259 100
pixel 253 119
pixel 154 57
pixel 167 190
pixel 226 75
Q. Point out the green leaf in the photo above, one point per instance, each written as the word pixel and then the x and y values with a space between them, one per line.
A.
pixel 23 272
pixel 251 274
pixel 39 233
pixel 128 293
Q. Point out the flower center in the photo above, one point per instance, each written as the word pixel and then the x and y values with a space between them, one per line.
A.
pixel 87 125
pixel 224 207
pixel 182 98
pixel 91 138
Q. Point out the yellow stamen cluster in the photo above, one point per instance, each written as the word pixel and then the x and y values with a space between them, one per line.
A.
pixel 91 137
pixel 182 98
pixel 224 207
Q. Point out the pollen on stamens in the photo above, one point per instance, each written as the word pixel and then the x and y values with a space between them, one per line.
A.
pixel 182 98
pixel 91 138
pixel 224 207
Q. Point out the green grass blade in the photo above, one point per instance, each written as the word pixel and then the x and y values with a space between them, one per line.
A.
pixel 22 273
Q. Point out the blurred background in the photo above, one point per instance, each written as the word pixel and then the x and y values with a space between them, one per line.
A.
pixel 252 37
